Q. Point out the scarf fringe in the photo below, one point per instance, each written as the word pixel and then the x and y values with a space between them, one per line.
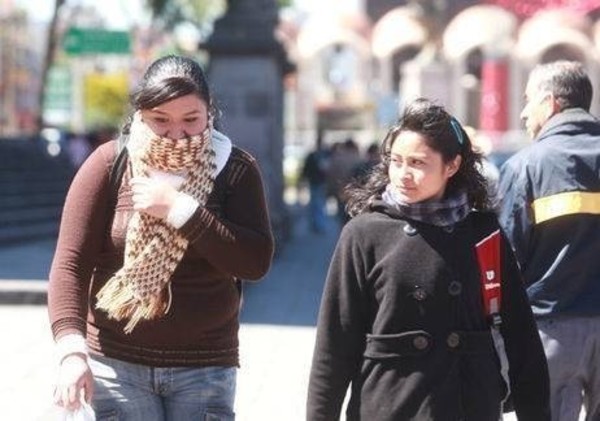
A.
pixel 120 303
pixel 119 297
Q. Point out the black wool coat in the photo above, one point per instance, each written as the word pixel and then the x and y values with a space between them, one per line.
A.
pixel 402 322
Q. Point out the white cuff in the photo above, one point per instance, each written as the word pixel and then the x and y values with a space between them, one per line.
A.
pixel 182 210
pixel 73 343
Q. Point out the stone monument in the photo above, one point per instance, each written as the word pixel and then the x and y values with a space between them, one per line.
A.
pixel 246 70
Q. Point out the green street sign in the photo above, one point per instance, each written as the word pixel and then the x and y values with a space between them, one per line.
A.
pixel 83 41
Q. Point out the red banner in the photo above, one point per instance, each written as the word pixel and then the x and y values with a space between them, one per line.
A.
pixel 527 8
pixel 493 111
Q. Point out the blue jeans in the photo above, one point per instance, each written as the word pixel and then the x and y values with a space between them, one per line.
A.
pixel 316 207
pixel 572 347
pixel 134 392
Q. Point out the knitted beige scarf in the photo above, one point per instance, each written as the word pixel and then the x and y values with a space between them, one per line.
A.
pixel 141 289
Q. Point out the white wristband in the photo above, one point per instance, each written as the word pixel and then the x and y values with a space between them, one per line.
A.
pixel 182 210
pixel 72 343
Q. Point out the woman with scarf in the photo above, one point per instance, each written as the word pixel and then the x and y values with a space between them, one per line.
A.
pixel 143 296
pixel 423 311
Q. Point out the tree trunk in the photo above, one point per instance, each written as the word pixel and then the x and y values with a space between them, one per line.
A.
pixel 48 61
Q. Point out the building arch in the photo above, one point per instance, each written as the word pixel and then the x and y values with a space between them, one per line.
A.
pixel 484 26
pixel 474 37
pixel 396 29
pixel 535 40
pixel 327 29
pixel 398 37
pixel 334 66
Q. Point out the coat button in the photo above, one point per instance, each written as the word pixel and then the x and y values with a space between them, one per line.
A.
pixel 419 294
pixel 449 229
pixel 410 230
pixel 453 340
pixel 455 288
pixel 420 342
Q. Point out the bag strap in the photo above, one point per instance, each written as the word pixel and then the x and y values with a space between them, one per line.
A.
pixel 117 171
pixel 119 166
pixel 489 252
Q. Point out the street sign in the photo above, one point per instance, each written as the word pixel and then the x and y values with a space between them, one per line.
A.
pixel 84 41
pixel 57 104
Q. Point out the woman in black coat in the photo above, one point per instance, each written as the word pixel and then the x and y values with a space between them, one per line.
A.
pixel 424 313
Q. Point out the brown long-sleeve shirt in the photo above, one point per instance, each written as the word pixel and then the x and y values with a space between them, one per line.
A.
pixel 229 238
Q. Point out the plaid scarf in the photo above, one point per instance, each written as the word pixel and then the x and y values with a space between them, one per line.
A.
pixel 441 213
pixel 141 289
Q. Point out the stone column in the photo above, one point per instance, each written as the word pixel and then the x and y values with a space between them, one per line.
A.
pixel 428 79
pixel 494 110
pixel 246 70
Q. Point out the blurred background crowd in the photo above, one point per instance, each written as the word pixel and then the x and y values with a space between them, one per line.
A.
pixel 343 70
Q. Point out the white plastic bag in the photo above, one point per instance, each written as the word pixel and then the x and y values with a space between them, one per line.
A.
pixel 84 413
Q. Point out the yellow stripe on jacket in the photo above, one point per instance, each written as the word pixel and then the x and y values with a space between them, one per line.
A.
pixel 568 203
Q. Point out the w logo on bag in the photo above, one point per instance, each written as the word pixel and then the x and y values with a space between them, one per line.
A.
pixel 488 256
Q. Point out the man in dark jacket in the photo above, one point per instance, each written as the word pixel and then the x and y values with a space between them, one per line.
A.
pixel 551 213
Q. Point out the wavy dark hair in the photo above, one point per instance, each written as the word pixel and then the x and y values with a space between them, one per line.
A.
pixel 443 134
pixel 169 77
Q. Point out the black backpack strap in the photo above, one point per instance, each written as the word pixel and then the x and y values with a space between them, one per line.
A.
pixel 117 171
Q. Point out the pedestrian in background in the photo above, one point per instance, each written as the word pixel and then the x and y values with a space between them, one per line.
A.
pixel 143 296
pixel 315 172
pixel 420 324
pixel 344 159
pixel 78 148
pixel 551 214
pixel 370 160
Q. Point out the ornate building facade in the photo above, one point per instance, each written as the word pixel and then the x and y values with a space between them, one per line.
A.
pixel 355 70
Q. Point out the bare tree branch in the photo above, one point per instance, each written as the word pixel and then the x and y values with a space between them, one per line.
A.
pixel 48 61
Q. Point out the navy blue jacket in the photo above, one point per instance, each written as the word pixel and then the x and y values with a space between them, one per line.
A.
pixel 550 211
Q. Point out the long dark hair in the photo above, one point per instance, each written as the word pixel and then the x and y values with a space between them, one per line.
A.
pixel 169 77
pixel 443 134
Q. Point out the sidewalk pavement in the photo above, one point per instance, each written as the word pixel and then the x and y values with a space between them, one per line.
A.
pixel 276 336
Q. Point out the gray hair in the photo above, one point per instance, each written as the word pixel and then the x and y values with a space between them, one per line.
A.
pixel 567 81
